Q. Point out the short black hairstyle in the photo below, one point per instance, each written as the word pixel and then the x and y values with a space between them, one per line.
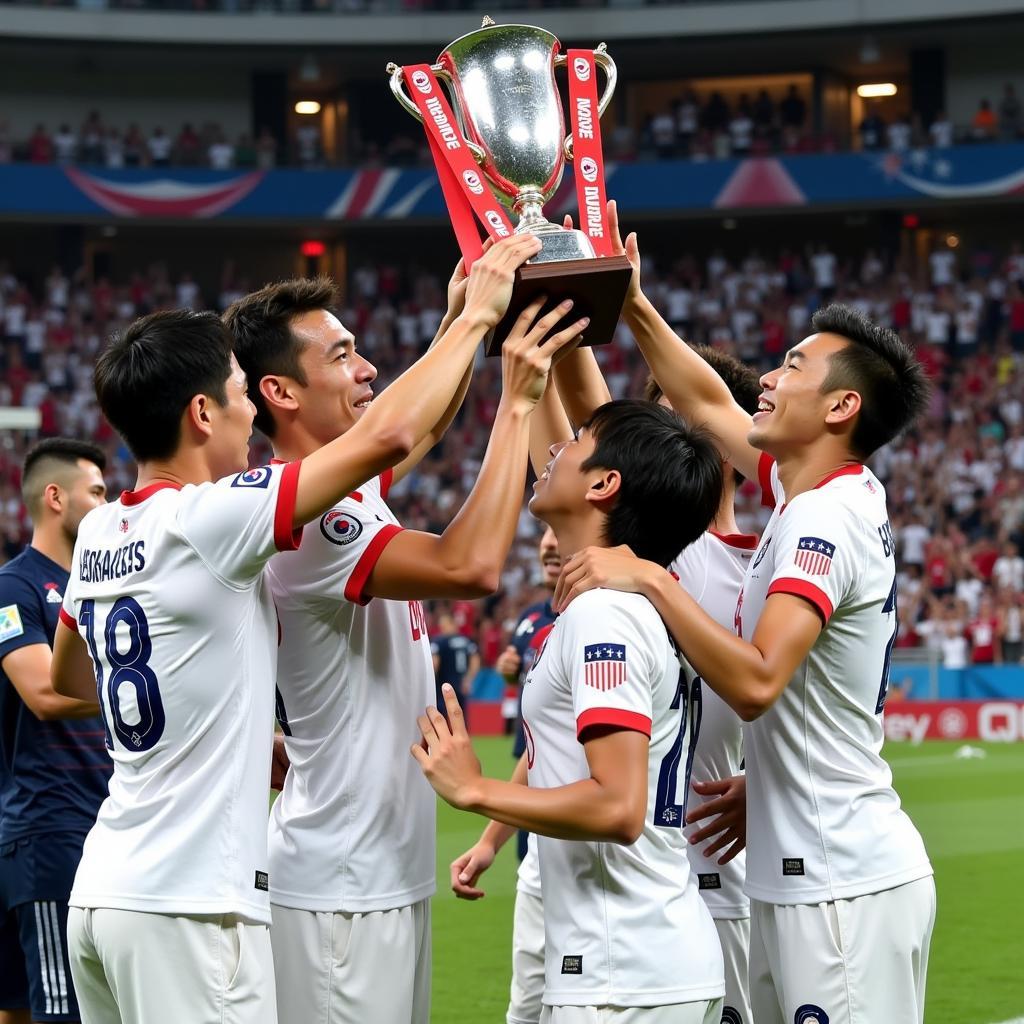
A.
pixel 51 455
pixel 671 477
pixel 260 324
pixel 882 368
pixel 147 376
pixel 741 380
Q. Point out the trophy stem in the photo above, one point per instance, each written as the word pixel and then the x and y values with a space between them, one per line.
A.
pixel 531 217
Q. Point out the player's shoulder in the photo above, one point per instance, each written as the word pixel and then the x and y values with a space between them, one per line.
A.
pixel 846 498
pixel 602 605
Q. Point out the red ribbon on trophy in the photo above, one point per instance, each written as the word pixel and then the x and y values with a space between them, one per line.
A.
pixel 462 185
pixel 588 158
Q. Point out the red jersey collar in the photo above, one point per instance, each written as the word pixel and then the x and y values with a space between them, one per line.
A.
pixel 139 496
pixel 746 541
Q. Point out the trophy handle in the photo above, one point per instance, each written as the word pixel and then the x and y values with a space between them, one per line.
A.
pixel 604 61
pixel 397 88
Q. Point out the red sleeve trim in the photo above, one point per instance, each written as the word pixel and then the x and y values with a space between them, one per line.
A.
pixel 631 720
pixel 764 478
pixel 68 620
pixel 387 478
pixel 285 537
pixel 360 575
pixel 808 591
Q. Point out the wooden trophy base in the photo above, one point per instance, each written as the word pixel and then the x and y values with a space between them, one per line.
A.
pixel 597 288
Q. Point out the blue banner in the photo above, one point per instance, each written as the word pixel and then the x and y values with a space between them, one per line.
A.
pixel 854 179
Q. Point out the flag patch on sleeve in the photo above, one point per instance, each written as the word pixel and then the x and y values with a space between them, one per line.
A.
pixel 604 665
pixel 10 623
pixel 814 556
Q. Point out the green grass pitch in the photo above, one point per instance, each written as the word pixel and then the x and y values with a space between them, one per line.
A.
pixel 971 813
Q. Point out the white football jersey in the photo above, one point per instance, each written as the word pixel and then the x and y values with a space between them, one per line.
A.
pixel 823 821
pixel 354 828
pixel 624 925
pixel 711 571
pixel 528 873
pixel 167 588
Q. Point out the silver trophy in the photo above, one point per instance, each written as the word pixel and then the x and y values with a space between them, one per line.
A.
pixel 501 79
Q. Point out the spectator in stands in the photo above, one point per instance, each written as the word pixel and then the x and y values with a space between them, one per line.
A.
pixel 983 124
pixel 65 145
pixel 687 115
pixel 1008 570
pixel 941 131
pixel 187 146
pixel 221 154
pixel 40 147
pixel 1011 625
pixel 1009 114
pixel 663 135
pixel 764 116
pixel 715 116
pixel 159 145
pixel 245 151
pixel 872 130
pixel 741 127
pixel 898 134
pixel 91 139
pixel 793 110
pixel 307 142
pixel 266 149
pixel 983 632
pixel 134 147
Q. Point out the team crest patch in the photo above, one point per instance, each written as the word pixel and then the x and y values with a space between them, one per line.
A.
pixel 604 665
pixel 253 478
pixel 814 556
pixel 10 623
pixel 810 1014
pixel 53 595
pixel 340 527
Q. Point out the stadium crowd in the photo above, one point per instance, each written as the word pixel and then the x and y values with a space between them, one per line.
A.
pixel 955 486
pixel 694 127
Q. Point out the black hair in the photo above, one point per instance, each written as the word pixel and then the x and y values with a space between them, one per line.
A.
pixel 50 455
pixel 740 379
pixel 882 368
pixel 147 376
pixel 261 326
pixel 671 477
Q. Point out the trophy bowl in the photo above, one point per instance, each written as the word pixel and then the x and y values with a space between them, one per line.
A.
pixel 501 81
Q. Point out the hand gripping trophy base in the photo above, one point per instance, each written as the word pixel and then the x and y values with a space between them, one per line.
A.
pixel 597 288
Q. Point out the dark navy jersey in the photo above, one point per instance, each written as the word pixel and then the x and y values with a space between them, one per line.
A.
pixel 454 652
pixel 531 629
pixel 53 775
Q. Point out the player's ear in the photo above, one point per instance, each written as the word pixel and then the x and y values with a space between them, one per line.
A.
pixel 197 417
pixel 279 392
pixel 843 407
pixel 604 486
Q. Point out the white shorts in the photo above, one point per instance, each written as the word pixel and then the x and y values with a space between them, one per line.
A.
pixel 352 968
pixel 131 967
pixel 734 934
pixel 702 1012
pixel 857 961
pixel 527 994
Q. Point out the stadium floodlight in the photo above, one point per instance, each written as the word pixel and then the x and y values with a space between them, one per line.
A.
pixel 307 107
pixel 875 89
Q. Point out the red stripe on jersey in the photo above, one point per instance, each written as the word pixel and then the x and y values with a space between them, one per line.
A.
pixel 387 478
pixel 844 471
pixel 68 621
pixel 360 575
pixel 764 478
pixel 139 496
pixel 631 720
pixel 286 537
pixel 808 591
pixel 744 541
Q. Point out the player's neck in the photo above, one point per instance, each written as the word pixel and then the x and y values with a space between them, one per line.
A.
pixel 52 540
pixel 805 468
pixel 578 532
pixel 183 467
pixel 725 518
pixel 292 442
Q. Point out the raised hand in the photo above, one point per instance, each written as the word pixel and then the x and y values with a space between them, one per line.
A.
pixel 489 287
pixel 446 753
pixel 630 250
pixel 509 663
pixel 528 351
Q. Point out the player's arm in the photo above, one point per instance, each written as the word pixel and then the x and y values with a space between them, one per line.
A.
pixel 28 669
pixel 471 672
pixel 609 807
pixel 71 670
pixel 456 304
pixel 466 560
pixel 748 676
pixel 411 407
pixel 695 390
